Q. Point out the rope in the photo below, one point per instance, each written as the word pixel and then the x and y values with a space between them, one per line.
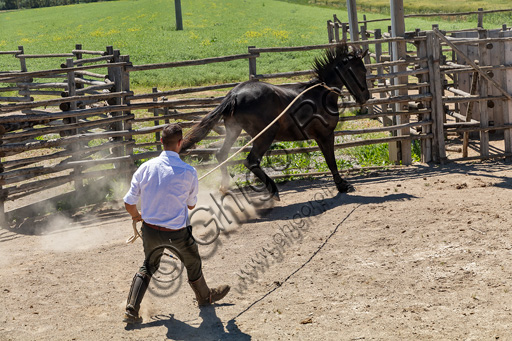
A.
pixel 136 233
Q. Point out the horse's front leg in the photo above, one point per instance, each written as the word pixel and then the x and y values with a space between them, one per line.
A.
pixel 326 145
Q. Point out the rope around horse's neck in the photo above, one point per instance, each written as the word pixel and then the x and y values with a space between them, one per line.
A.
pixel 136 233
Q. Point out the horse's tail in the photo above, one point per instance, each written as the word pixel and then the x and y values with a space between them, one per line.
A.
pixel 200 130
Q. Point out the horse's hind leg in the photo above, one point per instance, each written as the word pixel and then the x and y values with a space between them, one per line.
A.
pixel 326 145
pixel 232 133
pixel 259 148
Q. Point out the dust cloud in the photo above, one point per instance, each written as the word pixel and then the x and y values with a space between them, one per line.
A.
pixel 62 234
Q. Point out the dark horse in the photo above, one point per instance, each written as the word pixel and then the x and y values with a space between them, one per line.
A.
pixel 253 105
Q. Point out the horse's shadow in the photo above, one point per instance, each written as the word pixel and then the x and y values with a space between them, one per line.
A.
pixel 312 208
pixel 211 327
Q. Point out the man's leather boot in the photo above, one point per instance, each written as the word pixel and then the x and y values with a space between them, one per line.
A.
pixel 140 283
pixel 205 295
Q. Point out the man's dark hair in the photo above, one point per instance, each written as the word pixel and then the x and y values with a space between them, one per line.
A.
pixel 171 134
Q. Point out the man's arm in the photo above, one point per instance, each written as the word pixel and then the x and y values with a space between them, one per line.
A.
pixel 134 212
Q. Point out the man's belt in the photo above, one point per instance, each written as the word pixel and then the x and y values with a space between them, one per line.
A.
pixel 160 228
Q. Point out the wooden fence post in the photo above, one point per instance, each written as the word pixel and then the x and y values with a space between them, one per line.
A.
pixel 426 144
pixel 125 87
pixel 78 56
pixel 483 91
pixel 403 152
pixel 344 31
pixel 330 33
pixel 352 20
pixel 436 89
pixel 367 61
pixel 480 18
pixel 117 74
pixel 252 63
pixel 75 147
pixel 23 68
pixel 109 51
pixel 23 62
pixel 336 31
pixel 380 71
pixel 3 196
pixel 156 122
pixel 507 82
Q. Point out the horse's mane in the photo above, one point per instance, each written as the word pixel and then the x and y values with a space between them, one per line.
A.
pixel 331 56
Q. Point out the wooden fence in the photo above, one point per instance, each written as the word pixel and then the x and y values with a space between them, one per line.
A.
pixel 81 122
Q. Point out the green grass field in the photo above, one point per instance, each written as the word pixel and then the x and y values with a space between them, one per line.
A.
pixel 145 30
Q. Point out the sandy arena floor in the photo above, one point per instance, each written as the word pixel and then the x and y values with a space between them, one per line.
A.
pixel 421 253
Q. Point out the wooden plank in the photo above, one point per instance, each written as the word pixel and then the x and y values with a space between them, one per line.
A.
pixel 17 107
pixel 53 55
pixel 400 152
pixel 426 144
pixel 11 52
pixel 497 57
pixel 483 89
pixel 390 113
pixel 24 75
pixel 323 46
pixel 364 47
pixel 507 82
pixel 469 114
pixel 100 110
pixel 35 132
pixel 156 122
pixel 472 98
pixel 182 91
pixel 101 53
pixel 330 32
pixel 58 155
pixel 188 62
pixel 463 79
pixel 284 74
pixel 93 60
pixel 299 150
pixel 434 53
pixel 399 71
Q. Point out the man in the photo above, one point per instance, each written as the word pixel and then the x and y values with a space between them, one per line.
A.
pixel 167 188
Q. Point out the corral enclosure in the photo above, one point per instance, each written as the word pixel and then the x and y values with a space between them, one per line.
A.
pixel 81 124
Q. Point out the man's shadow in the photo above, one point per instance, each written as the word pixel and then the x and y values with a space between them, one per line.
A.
pixel 211 327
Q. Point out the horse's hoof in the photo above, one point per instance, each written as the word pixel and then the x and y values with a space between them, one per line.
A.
pixel 346 188
pixel 275 196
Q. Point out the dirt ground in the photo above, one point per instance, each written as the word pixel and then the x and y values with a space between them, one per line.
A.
pixel 420 253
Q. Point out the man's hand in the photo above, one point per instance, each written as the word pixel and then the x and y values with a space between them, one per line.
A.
pixel 134 212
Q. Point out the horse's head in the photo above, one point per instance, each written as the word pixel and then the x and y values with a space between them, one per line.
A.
pixel 340 67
